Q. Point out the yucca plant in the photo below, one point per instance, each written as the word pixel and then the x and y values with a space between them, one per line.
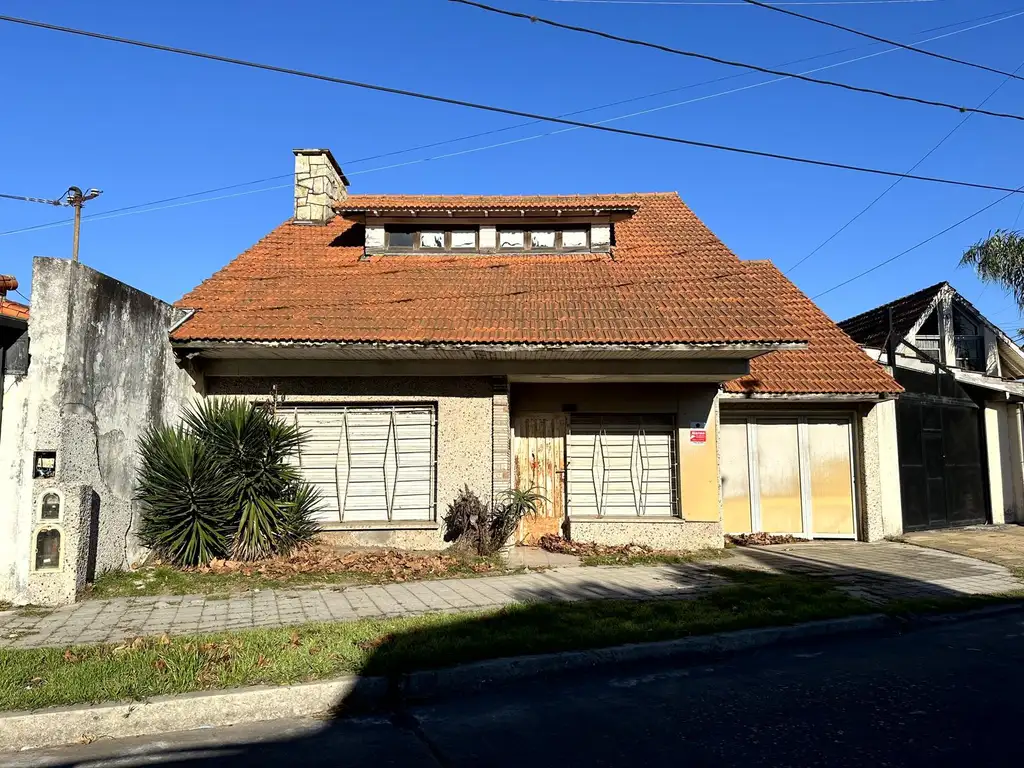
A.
pixel 187 510
pixel 252 446
pixel 222 485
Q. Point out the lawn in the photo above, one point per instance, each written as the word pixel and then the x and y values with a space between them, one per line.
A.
pixel 34 678
pixel 652 557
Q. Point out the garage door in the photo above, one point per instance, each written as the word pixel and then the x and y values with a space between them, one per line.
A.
pixel 621 466
pixel 370 464
pixel 788 475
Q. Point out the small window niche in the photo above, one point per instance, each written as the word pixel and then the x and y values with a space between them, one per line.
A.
pixel 44 464
pixel 50 506
pixel 48 549
pixel 511 238
pixel 542 239
pixel 432 240
pixel 575 239
pixel 464 238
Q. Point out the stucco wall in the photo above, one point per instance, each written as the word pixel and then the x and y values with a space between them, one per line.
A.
pixel 879 473
pixel 1003 450
pixel 102 371
pixel 14 535
pixel 464 441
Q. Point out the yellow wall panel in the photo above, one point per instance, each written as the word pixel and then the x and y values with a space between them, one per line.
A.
pixel 735 478
pixel 831 472
pixel 778 470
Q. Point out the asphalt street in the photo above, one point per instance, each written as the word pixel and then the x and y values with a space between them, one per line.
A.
pixel 949 695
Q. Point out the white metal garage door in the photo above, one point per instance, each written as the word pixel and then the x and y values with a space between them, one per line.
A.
pixel 621 466
pixel 369 463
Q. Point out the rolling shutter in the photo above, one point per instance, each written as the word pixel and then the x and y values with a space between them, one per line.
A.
pixel 371 464
pixel 621 466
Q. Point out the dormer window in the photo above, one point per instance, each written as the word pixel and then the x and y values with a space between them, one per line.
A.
pixel 438 236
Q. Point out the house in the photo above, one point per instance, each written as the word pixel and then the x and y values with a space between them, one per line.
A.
pixel 959 420
pixel 608 350
pixel 13 347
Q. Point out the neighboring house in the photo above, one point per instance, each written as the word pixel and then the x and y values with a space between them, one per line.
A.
pixel 13 345
pixel 608 350
pixel 959 420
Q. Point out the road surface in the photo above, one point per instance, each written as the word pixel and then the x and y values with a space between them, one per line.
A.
pixel 944 696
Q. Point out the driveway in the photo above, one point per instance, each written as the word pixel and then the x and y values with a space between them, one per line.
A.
pixel 1002 544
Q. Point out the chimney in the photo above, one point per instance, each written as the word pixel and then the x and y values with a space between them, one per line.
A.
pixel 319 182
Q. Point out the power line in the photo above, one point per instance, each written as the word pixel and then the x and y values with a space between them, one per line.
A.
pixel 892 186
pixel 117 212
pixel 885 40
pixel 731 63
pixel 986 20
pixel 502 110
pixel 24 199
pixel 912 248
pixel 730 2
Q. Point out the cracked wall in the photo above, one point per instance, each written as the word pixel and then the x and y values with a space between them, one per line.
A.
pixel 102 371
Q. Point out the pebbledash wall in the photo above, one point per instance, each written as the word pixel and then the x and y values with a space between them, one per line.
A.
pixel 101 372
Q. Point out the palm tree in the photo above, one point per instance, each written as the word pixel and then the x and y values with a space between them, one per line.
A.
pixel 999 259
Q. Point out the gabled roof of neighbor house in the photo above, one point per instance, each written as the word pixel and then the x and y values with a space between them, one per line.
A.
pixel 668 280
pixel 8 308
pixel 13 310
pixel 871 328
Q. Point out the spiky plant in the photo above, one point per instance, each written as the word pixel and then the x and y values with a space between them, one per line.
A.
pixel 186 509
pixel 999 259
pixel 274 508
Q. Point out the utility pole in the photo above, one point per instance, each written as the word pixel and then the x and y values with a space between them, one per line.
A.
pixel 75 198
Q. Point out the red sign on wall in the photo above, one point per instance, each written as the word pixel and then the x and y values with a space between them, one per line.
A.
pixel 698 435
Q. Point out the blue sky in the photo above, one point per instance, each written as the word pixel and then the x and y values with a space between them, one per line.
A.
pixel 144 126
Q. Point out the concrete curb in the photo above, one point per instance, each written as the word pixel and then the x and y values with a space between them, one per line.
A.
pixel 69 725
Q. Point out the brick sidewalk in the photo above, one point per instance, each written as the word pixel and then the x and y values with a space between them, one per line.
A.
pixel 875 572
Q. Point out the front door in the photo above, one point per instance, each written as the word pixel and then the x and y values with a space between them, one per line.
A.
pixel 539 450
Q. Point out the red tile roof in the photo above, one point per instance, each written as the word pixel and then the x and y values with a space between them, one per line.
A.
pixel 669 280
pixel 832 362
pixel 13 309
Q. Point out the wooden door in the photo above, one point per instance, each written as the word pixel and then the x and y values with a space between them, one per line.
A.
pixel 539 450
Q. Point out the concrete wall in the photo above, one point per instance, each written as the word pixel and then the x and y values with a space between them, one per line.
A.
pixel 699 482
pixel 881 512
pixel 1005 468
pixel 464 436
pixel 102 371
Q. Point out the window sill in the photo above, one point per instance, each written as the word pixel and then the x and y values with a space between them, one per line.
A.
pixel 369 525
pixel 629 519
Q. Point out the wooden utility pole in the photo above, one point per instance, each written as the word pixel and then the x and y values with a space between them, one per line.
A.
pixel 76 199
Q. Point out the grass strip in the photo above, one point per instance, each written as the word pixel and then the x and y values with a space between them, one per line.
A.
pixel 144 667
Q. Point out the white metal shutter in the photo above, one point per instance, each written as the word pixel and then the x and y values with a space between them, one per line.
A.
pixel 369 464
pixel 621 466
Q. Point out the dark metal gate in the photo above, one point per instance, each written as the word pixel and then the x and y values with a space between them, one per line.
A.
pixel 941 468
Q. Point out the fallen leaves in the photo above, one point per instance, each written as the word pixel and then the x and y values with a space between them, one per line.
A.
pixel 553 543
pixel 384 565
pixel 761 539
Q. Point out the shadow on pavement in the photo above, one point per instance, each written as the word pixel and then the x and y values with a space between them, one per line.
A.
pixel 551 618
